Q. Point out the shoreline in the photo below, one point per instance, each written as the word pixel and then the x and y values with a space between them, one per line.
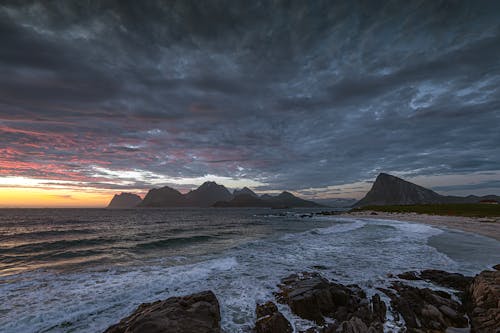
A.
pixel 484 226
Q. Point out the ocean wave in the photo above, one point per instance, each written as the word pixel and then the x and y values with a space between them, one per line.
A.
pixel 339 227
pixel 172 242
pixel 56 245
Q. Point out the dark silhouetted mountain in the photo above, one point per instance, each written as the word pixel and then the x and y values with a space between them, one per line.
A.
pixel 125 200
pixel 244 200
pixel 208 194
pixel 336 202
pixel 164 197
pixel 391 190
pixel 284 200
pixel 244 190
pixel 287 199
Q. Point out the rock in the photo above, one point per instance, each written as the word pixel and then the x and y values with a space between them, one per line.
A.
pixel 312 297
pixel 354 325
pixel 449 312
pixel 457 330
pixel 379 308
pixel 426 309
pixel 483 302
pixel 265 309
pixel 194 313
pixel 450 280
pixel 497 267
pixel 441 278
pixel 307 295
pixel 270 320
pixel 411 275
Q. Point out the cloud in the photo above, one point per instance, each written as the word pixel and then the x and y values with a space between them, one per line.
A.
pixel 286 94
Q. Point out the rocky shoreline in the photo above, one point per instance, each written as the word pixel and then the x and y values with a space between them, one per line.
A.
pixel 455 304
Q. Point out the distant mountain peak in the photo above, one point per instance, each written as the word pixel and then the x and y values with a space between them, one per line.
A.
pixel 125 200
pixel 284 200
pixel 391 190
pixel 286 193
pixel 244 190
pixel 207 194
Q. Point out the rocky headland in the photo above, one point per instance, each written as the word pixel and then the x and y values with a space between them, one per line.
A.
pixel 449 302
pixel 391 190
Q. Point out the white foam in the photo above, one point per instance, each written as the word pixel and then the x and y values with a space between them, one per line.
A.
pixel 340 227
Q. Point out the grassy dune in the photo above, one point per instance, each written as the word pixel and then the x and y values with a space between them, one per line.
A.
pixel 469 210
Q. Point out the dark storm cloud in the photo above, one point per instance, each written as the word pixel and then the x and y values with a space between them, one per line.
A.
pixel 297 95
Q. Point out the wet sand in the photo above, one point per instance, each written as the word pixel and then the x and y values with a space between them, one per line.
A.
pixel 487 226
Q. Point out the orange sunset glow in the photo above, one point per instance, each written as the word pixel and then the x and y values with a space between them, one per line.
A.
pixel 19 197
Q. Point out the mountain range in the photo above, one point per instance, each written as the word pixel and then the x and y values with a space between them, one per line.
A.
pixel 386 190
pixel 207 195
pixel 391 190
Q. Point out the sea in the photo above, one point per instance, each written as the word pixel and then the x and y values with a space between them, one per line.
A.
pixel 82 270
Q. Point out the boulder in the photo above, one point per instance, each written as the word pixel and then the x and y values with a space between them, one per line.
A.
pixel 426 309
pixel 270 320
pixel 483 302
pixel 312 297
pixel 441 278
pixel 194 313
pixel 450 280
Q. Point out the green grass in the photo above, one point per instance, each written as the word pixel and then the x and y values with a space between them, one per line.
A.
pixel 469 210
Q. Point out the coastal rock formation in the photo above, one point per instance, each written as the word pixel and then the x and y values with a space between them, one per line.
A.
pixel 124 200
pixel 312 297
pixel 391 190
pixel 483 302
pixel 337 308
pixel 270 320
pixel 445 279
pixel 194 313
pixel 426 309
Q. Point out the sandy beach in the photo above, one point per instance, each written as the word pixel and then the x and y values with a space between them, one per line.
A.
pixel 486 226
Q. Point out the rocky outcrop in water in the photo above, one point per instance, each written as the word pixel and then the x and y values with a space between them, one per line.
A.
pixel 270 320
pixel 194 313
pixel 312 297
pixel 441 278
pixel 124 200
pixel 425 309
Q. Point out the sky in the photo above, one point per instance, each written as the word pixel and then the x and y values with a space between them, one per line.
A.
pixel 316 97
